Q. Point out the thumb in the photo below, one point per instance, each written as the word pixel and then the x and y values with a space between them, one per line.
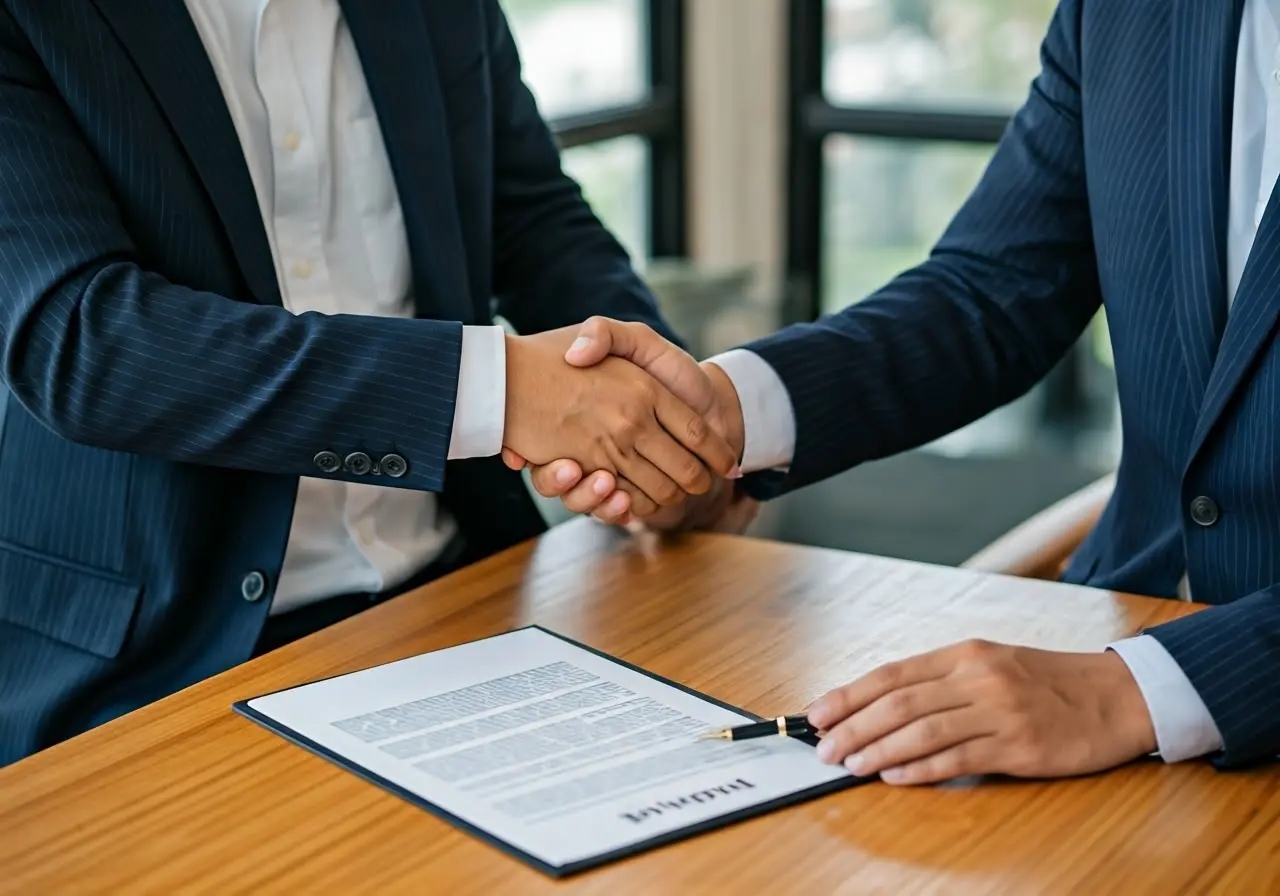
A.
pixel 594 343
pixel 669 364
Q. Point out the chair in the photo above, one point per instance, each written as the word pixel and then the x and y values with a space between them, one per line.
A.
pixel 1041 547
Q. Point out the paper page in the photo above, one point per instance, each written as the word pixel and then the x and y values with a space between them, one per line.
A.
pixel 560 752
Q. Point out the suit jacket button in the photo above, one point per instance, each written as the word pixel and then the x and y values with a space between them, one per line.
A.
pixel 253 586
pixel 359 463
pixel 394 465
pixel 327 462
pixel 1204 511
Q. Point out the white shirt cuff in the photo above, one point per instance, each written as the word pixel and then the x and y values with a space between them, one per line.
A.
pixel 768 418
pixel 1184 727
pixel 479 411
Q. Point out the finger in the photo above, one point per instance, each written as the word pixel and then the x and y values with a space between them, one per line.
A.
pixel 892 712
pixel 615 510
pixel 556 478
pixel 591 493
pixel 979 756
pixel 648 487
pixel 699 512
pixel 513 460
pixel 920 739
pixel 837 705
pixel 669 364
pixel 593 344
pixel 675 461
pixel 692 431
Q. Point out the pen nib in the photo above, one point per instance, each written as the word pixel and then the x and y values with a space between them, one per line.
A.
pixel 722 734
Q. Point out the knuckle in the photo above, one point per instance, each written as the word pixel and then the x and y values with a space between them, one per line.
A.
pixel 888 677
pixel 932 730
pixel 643 506
pixel 693 476
pixel 975 649
pixel 900 704
pixel 696 431
pixel 646 393
pixel 629 425
pixel 668 493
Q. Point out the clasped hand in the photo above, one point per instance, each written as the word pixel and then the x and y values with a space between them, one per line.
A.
pixel 643 421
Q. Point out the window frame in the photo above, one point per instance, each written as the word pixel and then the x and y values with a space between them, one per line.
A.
pixel 812 118
pixel 659 119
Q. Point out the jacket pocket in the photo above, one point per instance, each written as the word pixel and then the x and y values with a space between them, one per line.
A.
pixel 78 605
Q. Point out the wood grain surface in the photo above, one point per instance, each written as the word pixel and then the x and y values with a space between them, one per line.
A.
pixel 185 796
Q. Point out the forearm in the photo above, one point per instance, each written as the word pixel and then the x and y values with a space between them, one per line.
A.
pixel 931 352
pixel 122 359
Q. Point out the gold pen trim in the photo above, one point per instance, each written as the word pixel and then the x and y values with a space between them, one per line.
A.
pixel 782 726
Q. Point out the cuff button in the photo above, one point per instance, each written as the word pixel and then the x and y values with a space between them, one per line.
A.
pixel 394 465
pixel 359 464
pixel 327 462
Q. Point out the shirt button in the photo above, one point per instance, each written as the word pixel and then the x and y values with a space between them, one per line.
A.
pixel 1204 511
pixel 1275 76
pixel 394 465
pixel 253 586
pixel 327 462
pixel 358 463
pixel 292 140
pixel 302 269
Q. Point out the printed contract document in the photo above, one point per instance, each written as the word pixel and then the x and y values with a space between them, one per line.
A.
pixel 562 756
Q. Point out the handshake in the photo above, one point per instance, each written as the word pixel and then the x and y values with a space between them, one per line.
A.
pixel 616 421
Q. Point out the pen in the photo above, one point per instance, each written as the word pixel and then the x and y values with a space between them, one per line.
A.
pixel 782 726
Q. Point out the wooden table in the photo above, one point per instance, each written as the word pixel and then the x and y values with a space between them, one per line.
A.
pixel 185 796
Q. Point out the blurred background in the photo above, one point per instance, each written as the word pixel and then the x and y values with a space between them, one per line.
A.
pixel 769 161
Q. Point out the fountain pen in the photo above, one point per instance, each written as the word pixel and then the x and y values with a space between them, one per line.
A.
pixel 782 726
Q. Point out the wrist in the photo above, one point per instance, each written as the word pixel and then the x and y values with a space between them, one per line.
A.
pixel 1126 708
pixel 726 418
pixel 514 347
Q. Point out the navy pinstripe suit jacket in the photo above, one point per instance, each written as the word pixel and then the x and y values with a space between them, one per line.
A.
pixel 159 405
pixel 1110 186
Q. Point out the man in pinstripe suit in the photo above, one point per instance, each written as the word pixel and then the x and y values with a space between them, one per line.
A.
pixel 252 382
pixel 1141 173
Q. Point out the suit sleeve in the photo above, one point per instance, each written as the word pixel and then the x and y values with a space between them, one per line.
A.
pixel 1005 293
pixel 1231 654
pixel 108 353
pixel 555 264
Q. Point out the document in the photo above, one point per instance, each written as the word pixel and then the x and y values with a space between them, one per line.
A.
pixel 560 755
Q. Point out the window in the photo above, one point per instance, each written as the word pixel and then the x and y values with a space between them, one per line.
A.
pixel 896 107
pixel 955 53
pixel 885 203
pixel 607 75
pixel 582 55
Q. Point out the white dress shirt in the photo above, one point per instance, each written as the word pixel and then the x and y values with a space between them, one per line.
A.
pixel 301 108
pixel 1184 728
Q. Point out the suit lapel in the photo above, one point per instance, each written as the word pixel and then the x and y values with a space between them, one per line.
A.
pixel 395 50
pixel 1201 85
pixel 1251 320
pixel 166 47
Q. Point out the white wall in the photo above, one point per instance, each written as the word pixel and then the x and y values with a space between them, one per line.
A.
pixel 736 95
